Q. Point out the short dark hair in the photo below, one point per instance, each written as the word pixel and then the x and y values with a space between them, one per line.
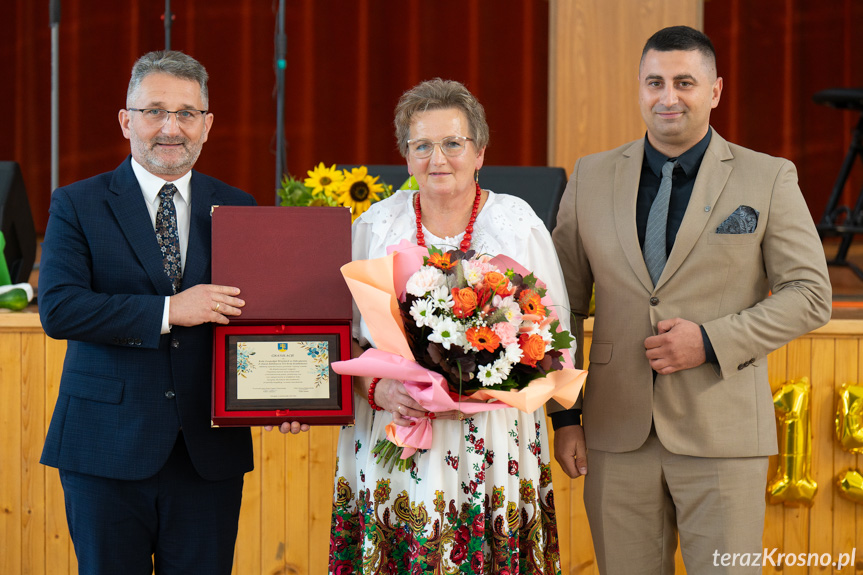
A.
pixel 681 38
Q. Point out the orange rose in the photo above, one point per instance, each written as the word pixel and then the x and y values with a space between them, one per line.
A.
pixel 531 303
pixel 483 338
pixel 532 348
pixel 464 301
pixel 441 261
pixel 497 282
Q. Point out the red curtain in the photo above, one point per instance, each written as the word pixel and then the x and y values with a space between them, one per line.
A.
pixel 774 55
pixel 347 64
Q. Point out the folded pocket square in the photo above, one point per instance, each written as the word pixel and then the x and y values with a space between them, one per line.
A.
pixel 744 220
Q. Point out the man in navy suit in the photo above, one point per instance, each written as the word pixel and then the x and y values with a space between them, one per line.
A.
pixel 146 479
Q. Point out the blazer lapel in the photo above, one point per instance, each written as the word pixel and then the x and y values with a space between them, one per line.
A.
pixel 626 177
pixel 712 176
pixel 197 267
pixel 132 215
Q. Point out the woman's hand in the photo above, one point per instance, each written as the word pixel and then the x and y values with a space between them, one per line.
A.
pixel 391 395
pixel 290 427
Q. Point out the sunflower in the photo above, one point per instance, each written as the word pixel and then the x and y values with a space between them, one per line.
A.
pixel 358 190
pixel 324 179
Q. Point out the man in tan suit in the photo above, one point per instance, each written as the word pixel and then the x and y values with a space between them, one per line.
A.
pixel 677 411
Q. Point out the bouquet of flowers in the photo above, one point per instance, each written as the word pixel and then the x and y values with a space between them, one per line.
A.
pixel 354 189
pixel 478 325
pixel 465 333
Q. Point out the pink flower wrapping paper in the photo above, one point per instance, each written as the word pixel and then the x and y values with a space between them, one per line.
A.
pixel 377 285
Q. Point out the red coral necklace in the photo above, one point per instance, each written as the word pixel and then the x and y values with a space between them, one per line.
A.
pixel 468 231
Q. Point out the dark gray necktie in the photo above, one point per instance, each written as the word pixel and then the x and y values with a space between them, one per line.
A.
pixel 657 220
pixel 167 235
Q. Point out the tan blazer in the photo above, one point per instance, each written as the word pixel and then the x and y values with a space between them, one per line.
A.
pixel 720 281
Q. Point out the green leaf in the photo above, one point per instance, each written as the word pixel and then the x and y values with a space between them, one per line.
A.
pixel 530 281
pixel 410 184
pixel 560 339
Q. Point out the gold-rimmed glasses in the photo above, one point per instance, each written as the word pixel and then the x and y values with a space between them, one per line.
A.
pixel 451 146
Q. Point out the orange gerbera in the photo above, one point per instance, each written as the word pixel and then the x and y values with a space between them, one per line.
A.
pixel 441 261
pixel 531 303
pixel 483 338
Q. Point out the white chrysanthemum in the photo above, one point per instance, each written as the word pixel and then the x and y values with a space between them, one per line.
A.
pixel 503 365
pixel 422 310
pixel 509 306
pixel 426 279
pixel 490 375
pixel 447 333
pixel 513 353
pixel 441 297
pixel 472 273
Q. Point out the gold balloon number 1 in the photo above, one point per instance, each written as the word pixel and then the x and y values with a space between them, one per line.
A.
pixel 793 484
pixel 849 433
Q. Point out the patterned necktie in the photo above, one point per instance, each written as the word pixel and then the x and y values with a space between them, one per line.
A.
pixel 166 234
pixel 657 219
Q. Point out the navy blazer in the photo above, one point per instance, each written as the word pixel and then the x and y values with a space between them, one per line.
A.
pixel 126 390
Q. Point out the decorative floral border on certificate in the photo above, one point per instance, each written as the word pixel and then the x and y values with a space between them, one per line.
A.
pixel 320 354
pixel 244 364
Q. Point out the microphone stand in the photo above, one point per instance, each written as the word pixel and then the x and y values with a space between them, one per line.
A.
pixel 168 18
pixel 280 64
pixel 54 19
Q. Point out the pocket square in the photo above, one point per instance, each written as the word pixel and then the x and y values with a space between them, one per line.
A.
pixel 744 220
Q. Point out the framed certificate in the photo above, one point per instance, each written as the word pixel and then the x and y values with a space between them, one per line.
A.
pixel 268 374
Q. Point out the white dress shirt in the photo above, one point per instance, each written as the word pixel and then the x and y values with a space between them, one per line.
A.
pixel 150 187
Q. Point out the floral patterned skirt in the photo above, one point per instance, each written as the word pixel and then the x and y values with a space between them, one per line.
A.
pixel 479 501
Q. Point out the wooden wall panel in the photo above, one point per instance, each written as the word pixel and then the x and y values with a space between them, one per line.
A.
pixel 593 70
pixel 284 523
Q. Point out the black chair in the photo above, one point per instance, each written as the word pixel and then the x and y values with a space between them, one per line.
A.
pixel 540 186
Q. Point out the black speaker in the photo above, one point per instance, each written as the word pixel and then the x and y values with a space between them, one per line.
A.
pixel 16 223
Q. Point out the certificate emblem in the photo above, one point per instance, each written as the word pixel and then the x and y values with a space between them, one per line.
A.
pixel 283 346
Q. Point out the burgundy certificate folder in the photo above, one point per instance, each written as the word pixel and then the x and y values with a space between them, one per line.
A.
pixel 272 364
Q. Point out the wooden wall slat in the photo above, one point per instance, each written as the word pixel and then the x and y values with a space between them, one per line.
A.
pixel 822 409
pixel 299 544
pixel 273 472
pixel 796 539
pixel 844 512
pixel 33 431
pixel 10 452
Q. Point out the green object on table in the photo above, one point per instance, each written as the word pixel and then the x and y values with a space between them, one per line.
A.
pixel 14 299
pixel 4 270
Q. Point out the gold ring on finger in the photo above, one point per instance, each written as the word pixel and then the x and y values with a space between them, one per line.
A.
pixel 217 307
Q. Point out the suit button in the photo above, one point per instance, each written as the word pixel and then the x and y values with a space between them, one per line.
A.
pixel 115 339
pixel 175 343
pixel 654 301
pixel 137 342
pixel 170 394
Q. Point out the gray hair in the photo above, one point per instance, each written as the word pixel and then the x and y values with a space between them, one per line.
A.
pixel 173 63
pixel 439 94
